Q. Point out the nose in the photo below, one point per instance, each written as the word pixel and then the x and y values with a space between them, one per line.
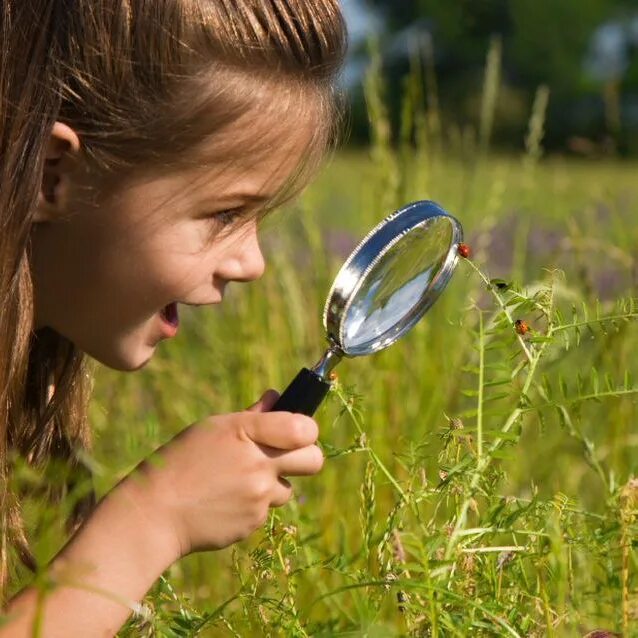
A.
pixel 245 261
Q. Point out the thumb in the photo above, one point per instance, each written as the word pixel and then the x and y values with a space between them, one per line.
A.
pixel 266 402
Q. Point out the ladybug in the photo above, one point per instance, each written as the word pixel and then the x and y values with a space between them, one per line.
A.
pixel 521 327
pixel 464 250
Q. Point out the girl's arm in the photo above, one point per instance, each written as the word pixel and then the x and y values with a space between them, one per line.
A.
pixel 210 486
pixel 101 574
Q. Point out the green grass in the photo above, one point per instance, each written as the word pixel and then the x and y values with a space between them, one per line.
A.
pixel 477 483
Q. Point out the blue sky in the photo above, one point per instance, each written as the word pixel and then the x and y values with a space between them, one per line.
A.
pixel 361 21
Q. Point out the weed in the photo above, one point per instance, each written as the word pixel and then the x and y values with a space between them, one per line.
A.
pixel 480 477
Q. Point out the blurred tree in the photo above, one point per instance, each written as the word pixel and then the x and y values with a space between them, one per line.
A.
pixel 549 39
pixel 544 42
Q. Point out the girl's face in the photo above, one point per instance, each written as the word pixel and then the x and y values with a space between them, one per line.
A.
pixel 108 276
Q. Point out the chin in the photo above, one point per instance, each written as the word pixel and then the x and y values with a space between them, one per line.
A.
pixel 125 361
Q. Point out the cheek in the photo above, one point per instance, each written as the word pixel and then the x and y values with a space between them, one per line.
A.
pixel 179 275
pixel 123 263
pixel 159 268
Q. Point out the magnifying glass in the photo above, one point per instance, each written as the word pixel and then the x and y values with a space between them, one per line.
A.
pixel 385 286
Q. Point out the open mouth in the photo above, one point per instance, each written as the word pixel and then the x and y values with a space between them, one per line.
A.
pixel 170 315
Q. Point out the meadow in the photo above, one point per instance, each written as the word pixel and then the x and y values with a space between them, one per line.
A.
pixel 478 481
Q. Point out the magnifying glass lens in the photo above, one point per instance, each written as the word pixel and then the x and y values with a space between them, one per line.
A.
pixel 401 280
pixel 383 289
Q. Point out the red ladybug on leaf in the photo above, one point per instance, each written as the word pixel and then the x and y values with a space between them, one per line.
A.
pixel 464 250
pixel 521 327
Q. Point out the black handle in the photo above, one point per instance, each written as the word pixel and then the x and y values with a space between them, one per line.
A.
pixel 304 395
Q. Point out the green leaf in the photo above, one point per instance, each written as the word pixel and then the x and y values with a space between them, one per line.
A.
pixel 496 397
pixel 496 382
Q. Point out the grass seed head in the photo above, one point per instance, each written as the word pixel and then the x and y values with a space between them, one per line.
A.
pixel 397 547
pixel 468 563
pixel 401 598
pixel 503 559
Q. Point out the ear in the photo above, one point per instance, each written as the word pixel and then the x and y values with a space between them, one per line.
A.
pixel 62 149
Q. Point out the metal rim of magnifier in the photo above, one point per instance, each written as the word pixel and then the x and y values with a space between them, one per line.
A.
pixel 370 251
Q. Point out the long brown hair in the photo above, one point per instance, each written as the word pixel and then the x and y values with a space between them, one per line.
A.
pixel 118 72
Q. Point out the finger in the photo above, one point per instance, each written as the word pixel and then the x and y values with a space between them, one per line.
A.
pixel 282 493
pixel 266 402
pixel 304 462
pixel 282 430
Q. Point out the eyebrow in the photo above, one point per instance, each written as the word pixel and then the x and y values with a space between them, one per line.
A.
pixel 251 197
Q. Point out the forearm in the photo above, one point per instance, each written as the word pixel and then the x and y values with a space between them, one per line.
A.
pixel 100 575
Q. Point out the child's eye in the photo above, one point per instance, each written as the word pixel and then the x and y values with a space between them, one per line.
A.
pixel 227 217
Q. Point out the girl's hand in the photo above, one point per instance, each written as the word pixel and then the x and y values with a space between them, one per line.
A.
pixel 213 483
pixel 210 486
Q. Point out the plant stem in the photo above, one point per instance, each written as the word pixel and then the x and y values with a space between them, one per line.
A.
pixel 503 307
pixel 514 416
pixel 481 381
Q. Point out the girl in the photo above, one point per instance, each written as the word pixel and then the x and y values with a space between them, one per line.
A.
pixel 141 142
